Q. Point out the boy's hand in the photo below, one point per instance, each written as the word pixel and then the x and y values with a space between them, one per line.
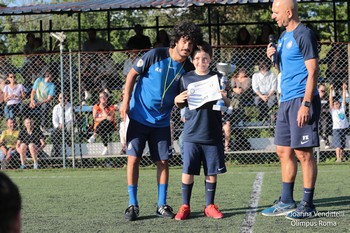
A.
pixel 223 93
pixel 181 98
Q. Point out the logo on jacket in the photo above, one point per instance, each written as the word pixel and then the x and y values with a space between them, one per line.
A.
pixel 139 63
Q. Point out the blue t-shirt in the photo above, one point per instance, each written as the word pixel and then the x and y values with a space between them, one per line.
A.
pixel 294 48
pixel 156 88
pixel 43 89
pixel 203 125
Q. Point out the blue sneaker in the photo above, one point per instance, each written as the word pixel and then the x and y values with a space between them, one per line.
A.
pixel 304 210
pixel 279 208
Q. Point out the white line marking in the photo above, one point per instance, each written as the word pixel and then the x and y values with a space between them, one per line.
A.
pixel 249 219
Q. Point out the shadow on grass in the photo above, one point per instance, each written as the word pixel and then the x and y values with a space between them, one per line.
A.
pixel 343 201
pixel 238 211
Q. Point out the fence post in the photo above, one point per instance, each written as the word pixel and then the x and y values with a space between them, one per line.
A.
pixel 72 102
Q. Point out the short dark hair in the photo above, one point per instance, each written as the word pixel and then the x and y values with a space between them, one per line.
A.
pixel 203 46
pixel 10 118
pixel 187 30
pixel 10 203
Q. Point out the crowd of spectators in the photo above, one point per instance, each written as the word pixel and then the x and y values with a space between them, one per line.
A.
pixel 252 84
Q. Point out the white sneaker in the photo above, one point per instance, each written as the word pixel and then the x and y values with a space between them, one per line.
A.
pixel 35 166
pixel 92 139
pixel 105 151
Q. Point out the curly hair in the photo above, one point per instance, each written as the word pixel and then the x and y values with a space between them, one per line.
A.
pixel 187 30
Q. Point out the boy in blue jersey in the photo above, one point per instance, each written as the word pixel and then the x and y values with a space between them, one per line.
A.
pixel 202 137
pixel 149 106
pixel 297 119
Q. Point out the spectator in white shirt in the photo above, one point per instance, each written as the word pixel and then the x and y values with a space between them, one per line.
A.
pixel 57 121
pixel 264 84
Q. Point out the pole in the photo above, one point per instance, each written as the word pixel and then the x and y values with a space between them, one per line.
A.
pixel 63 107
pixel 72 103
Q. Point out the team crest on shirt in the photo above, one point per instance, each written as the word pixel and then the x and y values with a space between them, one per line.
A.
pixel 289 44
pixel 139 63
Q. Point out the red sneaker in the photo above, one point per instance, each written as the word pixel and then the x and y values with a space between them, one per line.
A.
pixel 213 212
pixel 183 212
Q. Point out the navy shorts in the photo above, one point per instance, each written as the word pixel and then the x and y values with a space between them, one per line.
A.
pixel 212 157
pixel 287 132
pixel 159 141
pixel 339 138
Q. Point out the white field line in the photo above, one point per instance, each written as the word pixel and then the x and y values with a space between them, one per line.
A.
pixel 249 219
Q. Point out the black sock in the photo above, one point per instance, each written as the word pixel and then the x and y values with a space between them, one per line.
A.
pixel 210 189
pixel 186 193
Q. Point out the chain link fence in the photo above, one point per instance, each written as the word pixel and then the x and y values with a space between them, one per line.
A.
pixel 248 125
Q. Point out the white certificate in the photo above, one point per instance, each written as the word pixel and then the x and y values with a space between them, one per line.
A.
pixel 202 92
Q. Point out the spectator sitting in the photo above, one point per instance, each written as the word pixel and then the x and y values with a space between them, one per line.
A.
pixel 103 114
pixel 34 69
pixel 89 69
pixel 8 140
pixel 266 31
pixel 32 138
pixel 38 46
pixel 30 45
pixel 14 93
pixel 162 39
pixel 41 96
pixel 325 116
pixel 94 43
pixel 241 89
pixel 243 37
pixel 264 85
pixel 10 206
pixel 242 54
pixel 139 40
pixel 2 97
pixel 57 122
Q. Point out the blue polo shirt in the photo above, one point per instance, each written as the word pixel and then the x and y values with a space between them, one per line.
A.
pixel 158 84
pixel 294 48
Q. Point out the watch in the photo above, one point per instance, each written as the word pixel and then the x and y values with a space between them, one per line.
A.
pixel 306 104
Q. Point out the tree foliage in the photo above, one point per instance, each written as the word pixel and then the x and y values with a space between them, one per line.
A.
pixel 230 18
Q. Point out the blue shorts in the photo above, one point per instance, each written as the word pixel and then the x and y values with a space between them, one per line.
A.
pixel 339 138
pixel 212 157
pixel 287 132
pixel 159 141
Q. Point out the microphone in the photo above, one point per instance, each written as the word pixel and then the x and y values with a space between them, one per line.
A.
pixel 272 40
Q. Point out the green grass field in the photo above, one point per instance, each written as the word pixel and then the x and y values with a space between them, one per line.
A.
pixel 93 200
